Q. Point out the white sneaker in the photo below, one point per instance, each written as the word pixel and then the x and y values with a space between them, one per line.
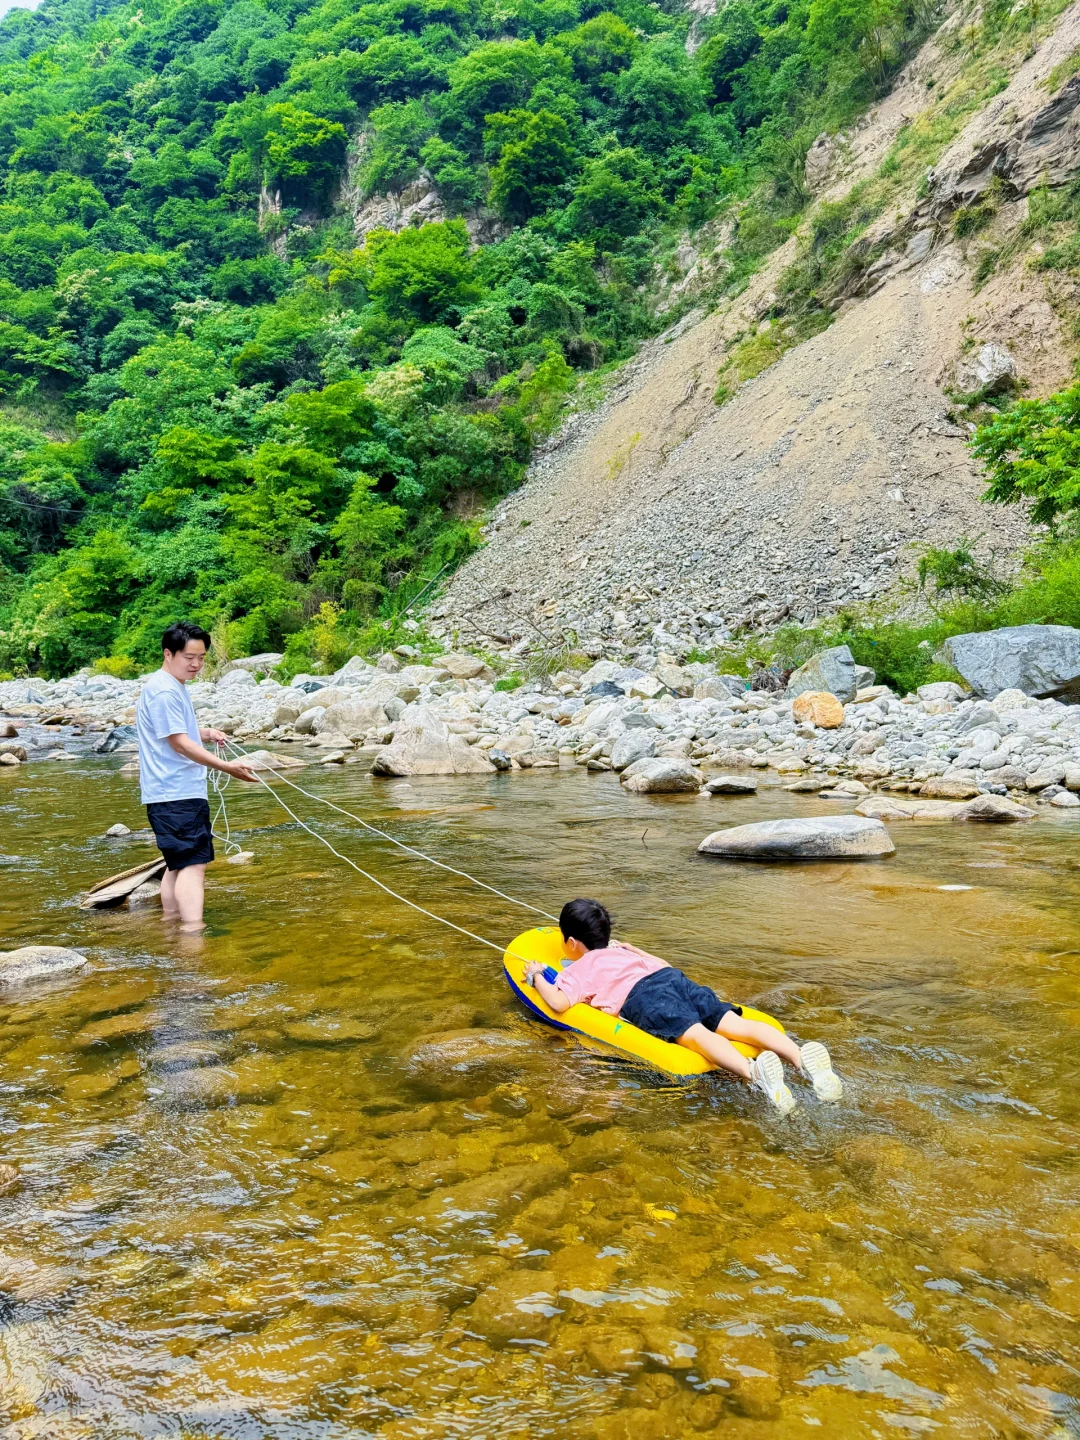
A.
pixel 767 1073
pixel 817 1067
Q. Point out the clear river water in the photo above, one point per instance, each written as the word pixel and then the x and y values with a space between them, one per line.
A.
pixel 258 1199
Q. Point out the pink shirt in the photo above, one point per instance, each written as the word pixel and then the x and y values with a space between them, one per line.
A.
pixel 604 978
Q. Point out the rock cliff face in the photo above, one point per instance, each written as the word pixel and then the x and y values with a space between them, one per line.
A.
pixel 660 515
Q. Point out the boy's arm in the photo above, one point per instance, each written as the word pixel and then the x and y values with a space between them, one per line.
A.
pixel 555 998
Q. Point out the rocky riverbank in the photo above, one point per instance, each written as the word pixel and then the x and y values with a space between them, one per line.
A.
pixel 669 728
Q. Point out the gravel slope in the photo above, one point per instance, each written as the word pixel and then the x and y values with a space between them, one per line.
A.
pixel 818 483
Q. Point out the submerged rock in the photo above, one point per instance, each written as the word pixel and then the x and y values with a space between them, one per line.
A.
pixel 825 837
pixel 330 1030
pixel 499 1192
pixel 38 962
pixel 519 1306
pixel 461 1062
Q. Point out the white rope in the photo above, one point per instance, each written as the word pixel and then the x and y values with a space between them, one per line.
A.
pixel 524 904
pixel 220 783
pixel 386 888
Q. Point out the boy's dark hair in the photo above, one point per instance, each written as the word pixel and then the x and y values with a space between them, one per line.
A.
pixel 587 921
pixel 180 632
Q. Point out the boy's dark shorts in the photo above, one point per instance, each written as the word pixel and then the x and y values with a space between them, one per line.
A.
pixel 667 1003
pixel 182 830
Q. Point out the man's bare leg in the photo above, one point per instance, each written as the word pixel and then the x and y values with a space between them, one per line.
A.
pixel 169 906
pixel 188 889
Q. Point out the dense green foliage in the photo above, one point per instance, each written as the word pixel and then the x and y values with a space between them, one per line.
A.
pixel 214 402
pixel 1032 453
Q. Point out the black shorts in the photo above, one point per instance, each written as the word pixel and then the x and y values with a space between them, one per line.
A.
pixel 182 831
pixel 667 1003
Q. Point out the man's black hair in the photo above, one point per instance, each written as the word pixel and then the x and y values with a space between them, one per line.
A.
pixel 587 921
pixel 180 632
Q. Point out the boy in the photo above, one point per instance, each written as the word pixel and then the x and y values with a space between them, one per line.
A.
pixel 651 994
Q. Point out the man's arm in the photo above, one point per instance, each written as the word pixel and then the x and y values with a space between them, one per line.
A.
pixel 534 974
pixel 212 737
pixel 184 745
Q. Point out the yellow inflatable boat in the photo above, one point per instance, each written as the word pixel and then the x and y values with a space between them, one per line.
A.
pixel 593 1026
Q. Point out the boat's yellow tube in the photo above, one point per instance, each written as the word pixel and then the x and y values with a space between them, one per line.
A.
pixel 592 1025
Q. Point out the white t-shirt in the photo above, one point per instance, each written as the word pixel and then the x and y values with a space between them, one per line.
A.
pixel 165 709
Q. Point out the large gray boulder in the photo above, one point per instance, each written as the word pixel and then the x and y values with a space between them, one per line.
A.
pixel 833 670
pixel 353 719
pixel 636 744
pixel 423 745
pixel 1041 660
pixel 824 837
pixel 662 777
pixel 38 962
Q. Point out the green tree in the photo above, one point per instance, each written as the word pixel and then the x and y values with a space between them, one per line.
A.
pixel 1032 454
pixel 425 274
pixel 535 157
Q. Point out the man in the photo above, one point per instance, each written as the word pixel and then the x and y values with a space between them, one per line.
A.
pixel 173 763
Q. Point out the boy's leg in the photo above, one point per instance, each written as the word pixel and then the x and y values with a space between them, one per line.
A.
pixel 714 1047
pixel 188 890
pixel 760 1035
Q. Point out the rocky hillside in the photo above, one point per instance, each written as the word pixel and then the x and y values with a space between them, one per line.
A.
pixel 818 480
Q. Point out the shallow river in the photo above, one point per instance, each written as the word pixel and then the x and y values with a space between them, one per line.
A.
pixel 254 1204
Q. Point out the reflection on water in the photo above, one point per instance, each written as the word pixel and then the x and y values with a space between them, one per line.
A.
pixel 260 1199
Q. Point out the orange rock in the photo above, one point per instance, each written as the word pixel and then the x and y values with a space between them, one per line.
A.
pixel 819 706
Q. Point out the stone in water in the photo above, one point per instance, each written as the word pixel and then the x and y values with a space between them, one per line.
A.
pixel 826 837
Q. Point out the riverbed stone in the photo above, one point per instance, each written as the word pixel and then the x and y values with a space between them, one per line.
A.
pixel 994 808
pixel 636 744
pixel 271 760
pixel 116 1029
pixel 464 667
pixel 732 785
pixel 466 1062
pixel 423 745
pixel 1064 800
pixel 662 776
pixel 13 751
pixel 90 1087
pixel 12 761
pixel 1040 660
pixel 505 1190
pixel 149 893
pixel 1045 776
pixel 825 837
pixel 519 1306
pixel 820 708
pixel 330 1030
pixel 117 832
pixel 832 670
pixel 38 962
pixel 252 1081
pixel 887 807
pixel 949 787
